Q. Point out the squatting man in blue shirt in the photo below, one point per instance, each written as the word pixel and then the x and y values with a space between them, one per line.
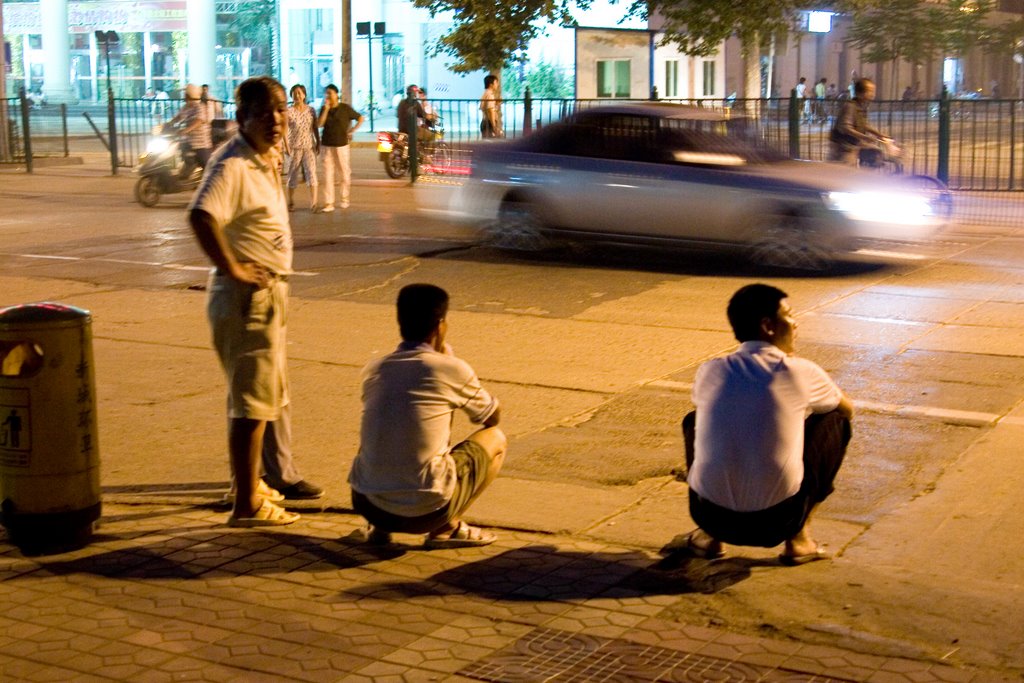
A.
pixel 406 477
pixel 766 440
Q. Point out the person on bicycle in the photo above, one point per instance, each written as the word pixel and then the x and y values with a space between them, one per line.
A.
pixel 852 132
pixel 410 104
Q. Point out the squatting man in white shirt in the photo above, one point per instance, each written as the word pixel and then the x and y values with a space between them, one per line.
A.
pixel 406 477
pixel 766 440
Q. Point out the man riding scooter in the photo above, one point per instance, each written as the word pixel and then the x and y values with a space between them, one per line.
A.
pixel 196 135
pixel 174 153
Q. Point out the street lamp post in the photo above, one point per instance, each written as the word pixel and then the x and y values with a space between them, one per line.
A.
pixel 108 39
pixel 363 31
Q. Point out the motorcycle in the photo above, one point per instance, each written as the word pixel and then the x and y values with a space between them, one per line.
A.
pixel 393 149
pixel 162 169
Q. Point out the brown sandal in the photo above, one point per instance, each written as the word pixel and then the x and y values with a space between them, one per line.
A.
pixel 464 536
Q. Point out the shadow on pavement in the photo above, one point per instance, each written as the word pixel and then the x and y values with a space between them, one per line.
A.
pixel 185 553
pixel 674 260
pixel 546 573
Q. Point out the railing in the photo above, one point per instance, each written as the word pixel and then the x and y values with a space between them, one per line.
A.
pixel 974 144
pixel 983 142
pixel 12 145
pixel 137 120
pixel 33 130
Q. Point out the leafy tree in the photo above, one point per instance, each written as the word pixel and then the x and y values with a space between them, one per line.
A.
pixel 545 80
pixel 914 30
pixel 698 27
pixel 254 25
pixel 488 34
pixel 966 24
pixel 908 30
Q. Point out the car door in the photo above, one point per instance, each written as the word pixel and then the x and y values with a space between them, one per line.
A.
pixel 602 169
pixel 697 191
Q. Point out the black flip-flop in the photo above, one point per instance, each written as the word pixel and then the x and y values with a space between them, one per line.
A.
pixel 683 543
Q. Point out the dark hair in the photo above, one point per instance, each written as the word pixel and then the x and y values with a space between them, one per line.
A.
pixel 410 90
pixel 331 86
pixel 749 306
pixel 421 308
pixel 297 86
pixel 488 79
pixel 254 92
pixel 861 86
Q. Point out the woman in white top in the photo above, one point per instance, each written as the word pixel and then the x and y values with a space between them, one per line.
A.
pixel 303 144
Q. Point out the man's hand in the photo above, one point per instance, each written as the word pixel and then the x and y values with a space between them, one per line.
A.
pixel 251 274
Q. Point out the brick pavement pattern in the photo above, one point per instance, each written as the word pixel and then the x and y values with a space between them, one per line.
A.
pixel 170 593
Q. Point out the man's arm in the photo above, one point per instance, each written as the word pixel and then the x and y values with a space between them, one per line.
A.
pixel 214 244
pixel 322 119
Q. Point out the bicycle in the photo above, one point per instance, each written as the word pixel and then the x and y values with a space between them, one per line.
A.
pixel 887 157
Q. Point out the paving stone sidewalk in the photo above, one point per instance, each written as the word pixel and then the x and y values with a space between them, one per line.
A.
pixel 170 593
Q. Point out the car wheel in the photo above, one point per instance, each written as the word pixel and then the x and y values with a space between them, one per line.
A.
pixel 518 228
pixel 787 241
pixel 939 196
pixel 147 192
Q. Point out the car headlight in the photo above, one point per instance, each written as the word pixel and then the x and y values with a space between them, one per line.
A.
pixel 157 145
pixel 881 207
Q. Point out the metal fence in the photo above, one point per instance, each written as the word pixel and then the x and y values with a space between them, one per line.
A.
pixel 974 144
pixel 33 130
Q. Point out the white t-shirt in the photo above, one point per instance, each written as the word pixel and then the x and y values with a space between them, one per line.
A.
pixel 245 197
pixel 409 397
pixel 751 407
pixel 801 90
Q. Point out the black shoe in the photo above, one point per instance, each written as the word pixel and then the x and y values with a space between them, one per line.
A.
pixel 301 490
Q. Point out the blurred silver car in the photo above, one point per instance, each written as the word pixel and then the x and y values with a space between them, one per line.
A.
pixel 656 173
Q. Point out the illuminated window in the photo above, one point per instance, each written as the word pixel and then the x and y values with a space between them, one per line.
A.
pixel 671 78
pixel 709 78
pixel 613 78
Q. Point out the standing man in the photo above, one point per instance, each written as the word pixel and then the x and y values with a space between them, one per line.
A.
pixel 767 437
pixel 336 119
pixel 407 477
pixel 490 109
pixel 801 95
pixel 819 99
pixel 240 218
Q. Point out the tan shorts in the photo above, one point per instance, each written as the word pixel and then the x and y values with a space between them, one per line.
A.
pixel 249 327
pixel 472 464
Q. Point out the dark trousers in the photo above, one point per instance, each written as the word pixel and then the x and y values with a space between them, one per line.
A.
pixel 826 436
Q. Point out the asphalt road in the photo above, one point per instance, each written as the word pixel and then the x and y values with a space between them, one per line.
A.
pixel 591 351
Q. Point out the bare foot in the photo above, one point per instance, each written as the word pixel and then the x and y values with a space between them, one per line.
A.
pixel 802 544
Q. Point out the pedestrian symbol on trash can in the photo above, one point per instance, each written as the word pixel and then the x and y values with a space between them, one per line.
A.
pixel 15 427
pixel 10 430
